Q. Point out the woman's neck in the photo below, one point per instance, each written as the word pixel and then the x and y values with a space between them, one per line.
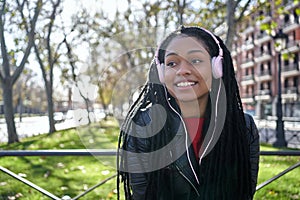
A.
pixel 193 108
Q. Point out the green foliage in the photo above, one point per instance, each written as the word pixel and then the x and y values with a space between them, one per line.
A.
pixel 297 10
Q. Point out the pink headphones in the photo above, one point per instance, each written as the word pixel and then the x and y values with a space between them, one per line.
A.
pixel 216 62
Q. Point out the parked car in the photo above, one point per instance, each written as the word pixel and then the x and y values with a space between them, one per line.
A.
pixel 58 117
pixel 70 114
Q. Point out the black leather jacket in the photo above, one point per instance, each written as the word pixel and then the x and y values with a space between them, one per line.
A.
pixel 140 144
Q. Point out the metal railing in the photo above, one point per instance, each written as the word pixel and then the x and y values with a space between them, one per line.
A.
pixel 66 152
pixel 279 153
pixel 112 152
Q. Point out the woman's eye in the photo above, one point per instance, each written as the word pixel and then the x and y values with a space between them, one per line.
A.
pixel 196 61
pixel 171 64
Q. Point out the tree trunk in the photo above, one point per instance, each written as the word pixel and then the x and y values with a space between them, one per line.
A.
pixel 50 108
pixel 9 113
pixel 231 24
pixel 86 100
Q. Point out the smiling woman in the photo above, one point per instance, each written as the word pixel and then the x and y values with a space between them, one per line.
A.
pixel 186 137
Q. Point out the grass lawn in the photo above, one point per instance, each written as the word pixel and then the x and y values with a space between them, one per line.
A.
pixel 72 175
pixel 67 175
pixel 286 187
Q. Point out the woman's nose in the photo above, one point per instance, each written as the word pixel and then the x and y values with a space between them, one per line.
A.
pixel 184 68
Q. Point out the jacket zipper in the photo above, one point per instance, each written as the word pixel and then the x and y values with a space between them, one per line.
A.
pixel 187 179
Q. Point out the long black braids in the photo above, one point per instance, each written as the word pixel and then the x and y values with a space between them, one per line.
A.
pixel 225 171
pixel 151 93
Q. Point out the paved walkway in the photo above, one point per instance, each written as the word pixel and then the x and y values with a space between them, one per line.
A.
pixel 39 125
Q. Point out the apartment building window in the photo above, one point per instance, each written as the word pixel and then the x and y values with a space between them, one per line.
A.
pixel 292 63
pixel 265 88
pixel 249 39
pixel 290 85
pixel 249 74
pixel 249 56
pixel 266 12
pixel 265 69
pixel 291 18
pixel 296 61
pixel 296 17
pixel 267 48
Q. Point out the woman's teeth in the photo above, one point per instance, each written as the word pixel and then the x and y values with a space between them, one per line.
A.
pixel 185 84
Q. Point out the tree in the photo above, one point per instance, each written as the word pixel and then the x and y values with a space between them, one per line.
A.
pixel 14 57
pixel 21 88
pixel 47 52
pixel 120 53
pixel 81 81
pixel 220 16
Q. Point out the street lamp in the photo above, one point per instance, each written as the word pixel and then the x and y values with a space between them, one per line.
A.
pixel 280 43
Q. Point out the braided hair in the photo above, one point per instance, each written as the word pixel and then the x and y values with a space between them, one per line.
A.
pixel 225 170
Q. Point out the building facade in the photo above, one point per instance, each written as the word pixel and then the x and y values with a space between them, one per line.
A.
pixel 256 62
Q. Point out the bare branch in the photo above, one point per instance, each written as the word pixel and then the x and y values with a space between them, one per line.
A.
pixel 245 8
pixel 31 35
pixel 37 53
pixel 71 60
pixel 21 8
pixel 52 19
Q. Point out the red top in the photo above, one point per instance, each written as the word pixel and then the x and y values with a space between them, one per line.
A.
pixel 194 128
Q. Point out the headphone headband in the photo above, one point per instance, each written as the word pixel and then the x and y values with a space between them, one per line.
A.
pixel 215 39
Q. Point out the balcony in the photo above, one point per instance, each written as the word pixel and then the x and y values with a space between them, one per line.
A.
pixel 248 80
pixel 290 93
pixel 262 56
pixel 264 75
pixel 267 18
pixel 293 46
pixel 248 30
pixel 263 95
pixel 290 90
pixel 290 70
pixel 291 6
pixel 248 98
pixel 248 45
pixel 247 63
pixel 290 26
pixel 262 38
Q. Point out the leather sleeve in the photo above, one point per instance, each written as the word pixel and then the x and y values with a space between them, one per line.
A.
pixel 253 141
pixel 136 144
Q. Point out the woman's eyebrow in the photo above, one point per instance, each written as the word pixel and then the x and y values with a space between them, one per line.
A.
pixel 195 51
pixel 171 54
pixel 189 52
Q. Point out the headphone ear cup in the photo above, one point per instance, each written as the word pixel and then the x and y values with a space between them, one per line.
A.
pixel 217 67
pixel 160 68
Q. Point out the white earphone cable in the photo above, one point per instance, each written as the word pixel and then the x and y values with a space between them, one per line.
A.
pixel 214 130
pixel 186 137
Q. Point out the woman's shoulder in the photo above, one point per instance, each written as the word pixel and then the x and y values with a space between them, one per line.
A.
pixel 149 115
pixel 142 117
pixel 252 130
pixel 249 119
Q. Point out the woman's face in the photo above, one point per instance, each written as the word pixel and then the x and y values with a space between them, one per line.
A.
pixel 187 71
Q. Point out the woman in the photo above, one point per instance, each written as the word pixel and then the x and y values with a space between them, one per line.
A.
pixel 186 136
